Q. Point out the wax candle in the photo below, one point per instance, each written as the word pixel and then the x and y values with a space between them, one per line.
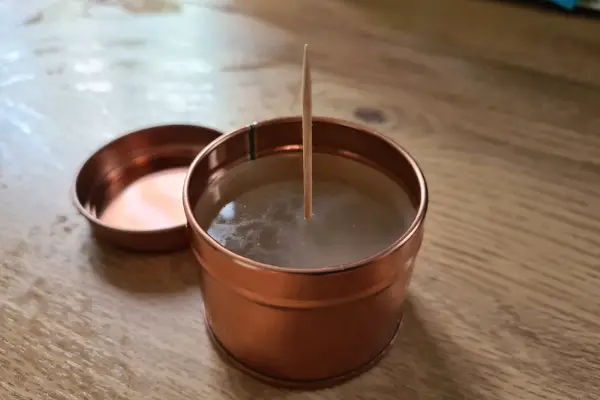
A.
pixel 152 202
pixel 256 210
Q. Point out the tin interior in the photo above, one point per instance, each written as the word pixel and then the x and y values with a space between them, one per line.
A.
pixel 285 135
pixel 116 166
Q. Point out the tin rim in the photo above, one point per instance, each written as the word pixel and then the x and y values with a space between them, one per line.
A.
pixel 249 263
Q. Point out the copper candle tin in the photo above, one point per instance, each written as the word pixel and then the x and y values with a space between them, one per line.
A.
pixel 304 328
pixel 125 160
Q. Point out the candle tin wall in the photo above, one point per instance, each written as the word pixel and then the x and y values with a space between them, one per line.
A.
pixel 298 327
pixel 295 328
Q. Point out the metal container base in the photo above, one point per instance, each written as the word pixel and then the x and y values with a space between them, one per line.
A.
pixel 299 385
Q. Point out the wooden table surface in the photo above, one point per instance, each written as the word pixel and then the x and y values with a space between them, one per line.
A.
pixel 499 104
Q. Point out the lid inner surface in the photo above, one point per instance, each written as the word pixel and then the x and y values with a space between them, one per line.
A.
pixel 151 202
pixel 135 183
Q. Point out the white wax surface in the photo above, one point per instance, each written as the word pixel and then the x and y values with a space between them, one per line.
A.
pixel 152 202
pixel 256 210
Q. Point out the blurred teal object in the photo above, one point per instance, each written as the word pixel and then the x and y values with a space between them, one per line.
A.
pixel 570 4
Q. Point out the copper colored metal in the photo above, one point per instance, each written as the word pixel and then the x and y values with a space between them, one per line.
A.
pixel 305 328
pixel 299 384
pixel 120 163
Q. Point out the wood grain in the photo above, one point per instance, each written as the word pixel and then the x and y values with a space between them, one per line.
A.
pixel 498 103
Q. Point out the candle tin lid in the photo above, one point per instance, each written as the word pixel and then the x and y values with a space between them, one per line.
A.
pixel 130 190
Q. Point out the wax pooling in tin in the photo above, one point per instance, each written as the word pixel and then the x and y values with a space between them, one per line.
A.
pixel 357 212
pixel 150 203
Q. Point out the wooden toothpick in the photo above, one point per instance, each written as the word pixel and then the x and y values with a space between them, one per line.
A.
pixel 307 134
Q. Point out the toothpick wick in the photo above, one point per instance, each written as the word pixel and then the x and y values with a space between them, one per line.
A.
pixel 307 134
